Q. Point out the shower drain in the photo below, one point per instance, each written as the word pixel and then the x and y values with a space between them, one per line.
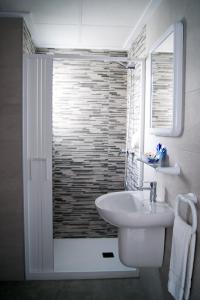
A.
pixel 107 254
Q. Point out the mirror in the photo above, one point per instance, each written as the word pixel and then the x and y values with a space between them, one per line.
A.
pixel 166 63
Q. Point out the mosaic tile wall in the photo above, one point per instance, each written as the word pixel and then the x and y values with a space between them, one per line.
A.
pixel 28 46
pixel 162 90
pixel 134 169
pixel 89 129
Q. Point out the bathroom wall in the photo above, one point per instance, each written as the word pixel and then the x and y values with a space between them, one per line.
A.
pixel 185 149
pixel 89 129
pixel 134 169
pixel 11 188
pixel 15 39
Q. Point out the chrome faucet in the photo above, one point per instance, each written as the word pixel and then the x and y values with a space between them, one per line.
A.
pixel 152 188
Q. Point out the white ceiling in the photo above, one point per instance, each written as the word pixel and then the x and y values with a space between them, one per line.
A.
pixel 91 24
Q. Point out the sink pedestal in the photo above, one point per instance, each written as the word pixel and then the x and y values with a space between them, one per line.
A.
pixel 141 247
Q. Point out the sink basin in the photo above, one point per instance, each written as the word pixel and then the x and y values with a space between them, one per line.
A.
pixel 141 226
pixel 130 209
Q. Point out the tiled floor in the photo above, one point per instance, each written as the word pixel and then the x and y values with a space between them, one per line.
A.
pixel 147 287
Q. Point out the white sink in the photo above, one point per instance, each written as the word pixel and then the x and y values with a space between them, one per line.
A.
pixel 141 226
pixel 130 209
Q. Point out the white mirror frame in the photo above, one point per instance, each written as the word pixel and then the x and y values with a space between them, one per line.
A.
pixel 177 127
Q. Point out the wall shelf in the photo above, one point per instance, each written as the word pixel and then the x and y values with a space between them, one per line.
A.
pixel 175 170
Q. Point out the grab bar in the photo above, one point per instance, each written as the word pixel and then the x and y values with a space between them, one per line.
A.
pixel 190 199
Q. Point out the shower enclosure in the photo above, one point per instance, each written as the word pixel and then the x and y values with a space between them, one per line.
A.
pixel 89 129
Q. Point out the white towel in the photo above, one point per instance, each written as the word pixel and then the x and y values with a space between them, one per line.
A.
pixel 181 261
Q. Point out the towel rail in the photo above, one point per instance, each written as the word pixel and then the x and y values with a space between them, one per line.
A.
pixel 190 199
